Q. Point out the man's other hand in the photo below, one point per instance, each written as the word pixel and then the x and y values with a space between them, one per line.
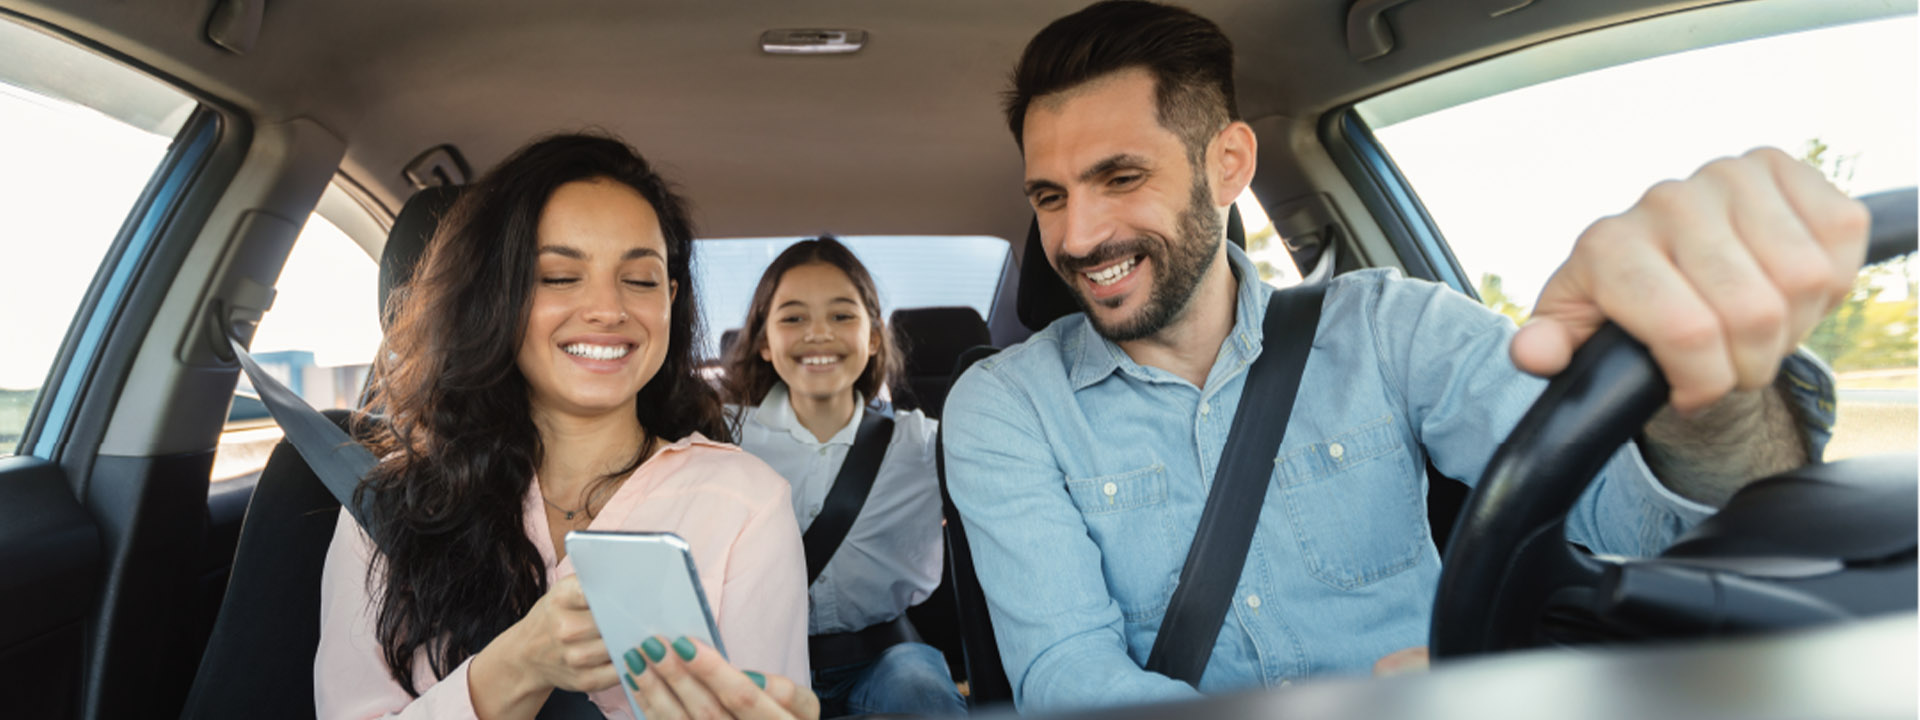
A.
pixel 1720 275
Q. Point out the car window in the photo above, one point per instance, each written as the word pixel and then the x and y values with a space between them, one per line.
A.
pixel 910 271
pixel 1265 247
pixel 80 137
pixel 319 338
pixel 1512 179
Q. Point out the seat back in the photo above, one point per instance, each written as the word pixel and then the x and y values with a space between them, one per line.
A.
pixel 259 658
pixel 932 339
pixel 986 678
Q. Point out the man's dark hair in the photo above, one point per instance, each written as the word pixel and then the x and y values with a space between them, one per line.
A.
pixel 1190 59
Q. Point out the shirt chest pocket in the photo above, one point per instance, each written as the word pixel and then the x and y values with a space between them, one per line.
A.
pixel 1126 515
pixel 1355 505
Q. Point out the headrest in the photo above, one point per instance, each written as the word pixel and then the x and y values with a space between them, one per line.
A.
pixel 407 241
pixel 933 337
pixel 1044 298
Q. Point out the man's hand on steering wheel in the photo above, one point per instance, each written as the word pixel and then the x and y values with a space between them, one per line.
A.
pixel 1720 275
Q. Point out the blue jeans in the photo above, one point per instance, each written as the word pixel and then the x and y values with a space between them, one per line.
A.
pixel 909 678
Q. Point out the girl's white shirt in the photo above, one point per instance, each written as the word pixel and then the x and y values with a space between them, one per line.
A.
pixel 891 558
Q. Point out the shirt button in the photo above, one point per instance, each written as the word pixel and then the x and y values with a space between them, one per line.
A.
pixel 1253 601
pixel 1205 408
pixel 823 450
pixel 1336 450
pixel 1110 489
pixel 1286 683
pixel 813 511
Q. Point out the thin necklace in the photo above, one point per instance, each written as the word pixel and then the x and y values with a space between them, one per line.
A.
pixel 566 514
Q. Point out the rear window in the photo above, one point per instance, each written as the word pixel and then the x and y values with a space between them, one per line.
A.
pixel 910 270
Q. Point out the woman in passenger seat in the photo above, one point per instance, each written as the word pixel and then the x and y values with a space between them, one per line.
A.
pixel 540 377
pixel 811 359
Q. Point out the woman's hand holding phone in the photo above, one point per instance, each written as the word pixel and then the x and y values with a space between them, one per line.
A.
pixel 561 645
pixel 557 645
pixel 686 678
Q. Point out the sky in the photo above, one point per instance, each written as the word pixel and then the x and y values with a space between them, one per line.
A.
pixel 1511 179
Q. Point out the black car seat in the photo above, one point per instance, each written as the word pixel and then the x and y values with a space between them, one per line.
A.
pixel 259 658
pixel 931 339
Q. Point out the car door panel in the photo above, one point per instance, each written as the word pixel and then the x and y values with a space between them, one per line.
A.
pixel 52 560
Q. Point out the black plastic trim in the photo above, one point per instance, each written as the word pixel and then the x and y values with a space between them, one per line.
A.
pixel 1392 202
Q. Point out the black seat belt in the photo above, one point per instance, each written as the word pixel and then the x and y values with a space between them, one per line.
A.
pixel 340 462
pixel 851 486
pixel 1219 552
pixel 337 459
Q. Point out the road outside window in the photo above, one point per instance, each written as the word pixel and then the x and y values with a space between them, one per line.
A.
pixel 1513 179
pixel 80 136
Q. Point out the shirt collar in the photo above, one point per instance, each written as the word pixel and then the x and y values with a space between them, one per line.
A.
pixel 776 413
pixel 1095 357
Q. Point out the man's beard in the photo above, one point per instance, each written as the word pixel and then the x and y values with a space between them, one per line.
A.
pixel 1177 266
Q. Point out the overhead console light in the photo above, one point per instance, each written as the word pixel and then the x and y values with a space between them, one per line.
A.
pixel 812 41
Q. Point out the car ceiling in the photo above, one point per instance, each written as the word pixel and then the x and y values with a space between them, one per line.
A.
pixel 905 136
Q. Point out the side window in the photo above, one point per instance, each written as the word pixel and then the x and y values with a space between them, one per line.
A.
pixel 80 137
pixel 320 336
pixel 1511 179
pixel 1265 247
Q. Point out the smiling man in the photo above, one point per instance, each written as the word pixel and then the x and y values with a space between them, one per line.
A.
pixel 1082 458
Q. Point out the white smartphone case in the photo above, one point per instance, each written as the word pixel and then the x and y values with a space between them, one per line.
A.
pixel 638 585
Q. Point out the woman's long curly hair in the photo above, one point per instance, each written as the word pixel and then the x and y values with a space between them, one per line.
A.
pixel 458 446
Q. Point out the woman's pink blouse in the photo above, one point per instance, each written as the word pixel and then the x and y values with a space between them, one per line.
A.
pixel 729 506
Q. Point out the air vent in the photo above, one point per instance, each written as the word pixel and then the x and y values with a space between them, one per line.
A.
pixel 812 42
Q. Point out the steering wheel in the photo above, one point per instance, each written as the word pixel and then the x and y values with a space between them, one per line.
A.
pixel 1511 580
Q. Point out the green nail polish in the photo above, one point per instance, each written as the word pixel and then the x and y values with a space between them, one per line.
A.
pixel 757 679
pixel 634 663
pixel 684 648
pixel 631 685
pixel 655 651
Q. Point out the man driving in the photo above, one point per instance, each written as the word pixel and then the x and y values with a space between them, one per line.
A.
pixel 1082 458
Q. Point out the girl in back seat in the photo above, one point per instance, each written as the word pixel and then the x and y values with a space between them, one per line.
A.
pixel 540 377
pixel 811 359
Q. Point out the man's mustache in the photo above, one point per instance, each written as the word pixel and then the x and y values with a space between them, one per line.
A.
pixel 1109 251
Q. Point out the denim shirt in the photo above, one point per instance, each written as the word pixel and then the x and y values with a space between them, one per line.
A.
pixel 1081 476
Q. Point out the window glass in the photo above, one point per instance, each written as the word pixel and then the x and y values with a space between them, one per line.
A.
pixel 80 136
pixel 1512 179
pixel 1265 247
pixel 911 271
pixel 319 339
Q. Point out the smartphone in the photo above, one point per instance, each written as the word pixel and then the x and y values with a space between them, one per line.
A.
pixel 641 584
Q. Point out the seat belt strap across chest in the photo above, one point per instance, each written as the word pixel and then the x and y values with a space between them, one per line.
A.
pixel 851 486
pixel 337 459
pixel 340 462
pixel 1219 551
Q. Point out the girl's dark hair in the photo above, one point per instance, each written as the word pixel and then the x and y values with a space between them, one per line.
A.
pixel 748 377
pixel 458 447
